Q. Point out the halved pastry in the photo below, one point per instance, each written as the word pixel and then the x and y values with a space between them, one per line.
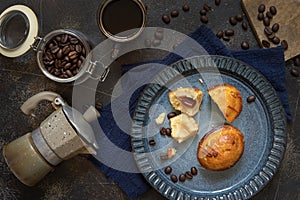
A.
pixel 186 100
pixel 183 127
pixel 221 148
pixel 229 100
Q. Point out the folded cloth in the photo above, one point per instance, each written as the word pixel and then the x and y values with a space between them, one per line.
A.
pixel 270 62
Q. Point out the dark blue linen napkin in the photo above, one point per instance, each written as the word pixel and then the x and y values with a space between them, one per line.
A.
pixel 270 62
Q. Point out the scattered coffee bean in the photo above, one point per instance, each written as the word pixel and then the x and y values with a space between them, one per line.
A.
pixel 295 72
pixel 202 12
pixel 271 37
pixel 174 178
pixel 168 132
pixel 98 106
pixel 219 34
pixel 152 142
pixel 296 61
pixel 185 8
pixel 269 15
pixel 275 27
pixel 229 32
pixel 163 131
pixel 261 8
pixel 188 175
pixel 273 10
pixel 168 170
pixel 58 55
pixel 207 7
pixel 266 44
pixel 266 21
pixel 232 21
pixel 268 30
pixel 251 99
pixel 217 2
pixel 226 38
pixel 204 19
pixel 244 26
pixel 182 177
pixel 148 43
pixel 194 171
pixel 171 114
pixel 158 35
pixel 239 17
pixel 285 44
pixel 166 19
pixel 276 40
pixel 174 13
pixel 260 16
pixel 156 43
pixel 245 45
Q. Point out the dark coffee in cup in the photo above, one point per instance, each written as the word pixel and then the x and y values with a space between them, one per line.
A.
pixel 122 20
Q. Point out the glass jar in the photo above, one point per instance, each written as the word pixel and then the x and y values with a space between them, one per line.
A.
pixel 19 34
pixel 40 46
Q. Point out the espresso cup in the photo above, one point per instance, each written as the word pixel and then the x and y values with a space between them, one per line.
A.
pixel 122 20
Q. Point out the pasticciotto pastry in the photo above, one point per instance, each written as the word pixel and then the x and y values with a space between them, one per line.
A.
pixel 186 100
pixel 229 100
pixel 220 149
pixel 183 127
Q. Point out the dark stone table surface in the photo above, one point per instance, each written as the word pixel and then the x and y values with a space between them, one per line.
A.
pixel 79 178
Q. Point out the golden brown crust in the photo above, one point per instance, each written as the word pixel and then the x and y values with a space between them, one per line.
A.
pixel 229 100
pixel 193 95
pixel 221 148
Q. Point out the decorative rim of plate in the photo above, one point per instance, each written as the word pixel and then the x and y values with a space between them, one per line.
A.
pixel 248 74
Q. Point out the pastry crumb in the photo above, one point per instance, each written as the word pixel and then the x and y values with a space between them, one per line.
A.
pixel 160 119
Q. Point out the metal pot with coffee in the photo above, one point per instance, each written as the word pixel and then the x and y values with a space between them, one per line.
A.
pixel 63 134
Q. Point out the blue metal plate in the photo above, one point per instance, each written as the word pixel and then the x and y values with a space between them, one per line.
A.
pixel 262 123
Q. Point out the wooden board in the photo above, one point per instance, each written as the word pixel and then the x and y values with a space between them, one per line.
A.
pixel 288 17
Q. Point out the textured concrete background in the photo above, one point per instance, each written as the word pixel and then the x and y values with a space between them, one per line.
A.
pixel 78 178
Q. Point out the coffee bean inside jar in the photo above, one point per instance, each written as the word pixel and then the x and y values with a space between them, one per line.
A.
pixel 63 55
